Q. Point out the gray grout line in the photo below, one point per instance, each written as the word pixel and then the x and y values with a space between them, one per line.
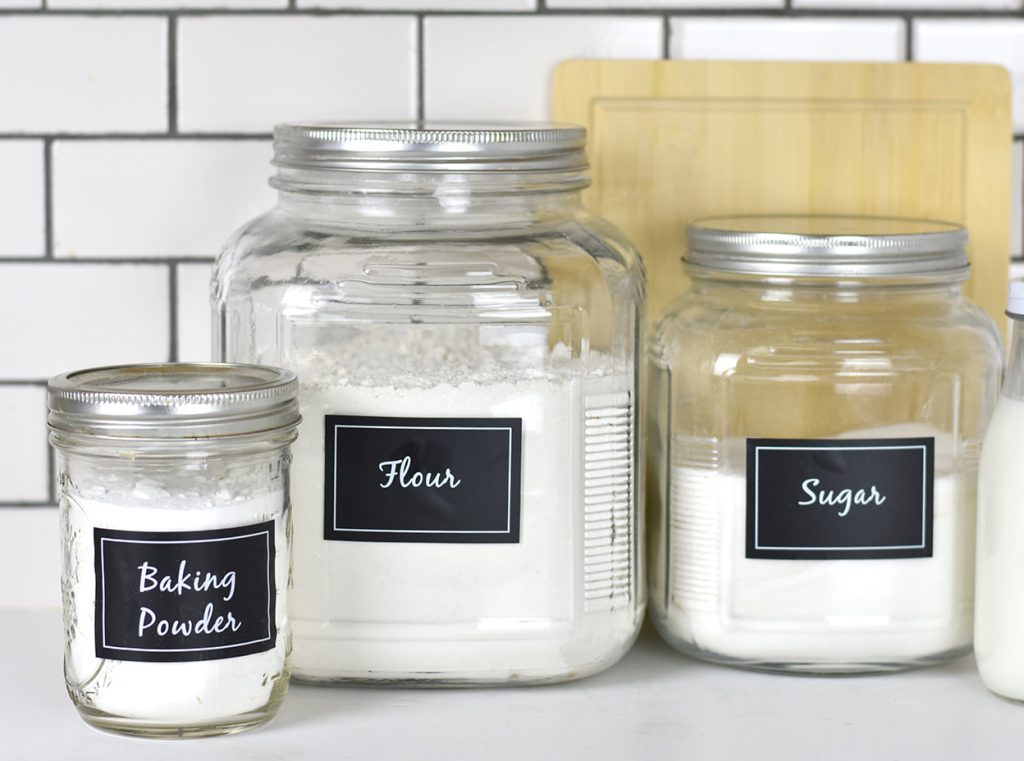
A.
pixel 173 299
pixel 135 136
pixel 908 38
pixel 156 137
pixel 31 382
pixel 172 75
pixel 666 37
pixel 48 197
pixel 542 11
pixel 34 504
pixel 121 261
pixel 421 72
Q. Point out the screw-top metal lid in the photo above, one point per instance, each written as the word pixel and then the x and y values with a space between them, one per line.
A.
pixel 828 246
pixel 432 147
pixel 177 400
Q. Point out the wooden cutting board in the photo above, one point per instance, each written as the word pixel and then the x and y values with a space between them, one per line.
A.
pixel 672 141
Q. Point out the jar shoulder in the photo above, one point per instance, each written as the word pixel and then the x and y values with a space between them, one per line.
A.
pixel 934 330
pixel 276 243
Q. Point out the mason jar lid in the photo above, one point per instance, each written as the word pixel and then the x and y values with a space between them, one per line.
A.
pixel 174 400
pixel 432 147
pixel 828 246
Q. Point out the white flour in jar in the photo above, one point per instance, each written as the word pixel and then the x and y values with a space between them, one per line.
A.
pixel 815 611
pixel 561 602
pixel 178 692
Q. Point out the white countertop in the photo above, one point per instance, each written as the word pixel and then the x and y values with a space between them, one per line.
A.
pixel 655 704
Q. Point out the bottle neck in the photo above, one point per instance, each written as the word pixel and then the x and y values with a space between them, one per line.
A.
pixel 1013 382
pixel 431 200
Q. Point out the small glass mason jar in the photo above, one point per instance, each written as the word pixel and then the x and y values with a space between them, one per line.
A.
pixel 818 401
pixel 175 525
pixel 465 337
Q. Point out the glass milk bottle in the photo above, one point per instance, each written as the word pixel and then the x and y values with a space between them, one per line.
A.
pixel 465 337
pixel 819 396
pixel 999 611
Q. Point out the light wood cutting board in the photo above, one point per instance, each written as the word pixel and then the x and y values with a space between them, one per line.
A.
pixel 671 141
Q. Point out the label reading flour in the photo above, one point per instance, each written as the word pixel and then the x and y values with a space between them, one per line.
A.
pixel 840 498
pixel 422 479
pixel 185 595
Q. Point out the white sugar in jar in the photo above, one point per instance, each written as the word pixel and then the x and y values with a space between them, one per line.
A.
pixel 175 529
pixel 819 395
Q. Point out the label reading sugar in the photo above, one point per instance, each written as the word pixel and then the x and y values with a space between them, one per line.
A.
pixel 422 479
pixel 840 498
pixel 185 595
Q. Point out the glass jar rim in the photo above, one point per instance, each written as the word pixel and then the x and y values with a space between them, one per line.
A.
pixel 175 400
pixel 426 147
pixel 829 246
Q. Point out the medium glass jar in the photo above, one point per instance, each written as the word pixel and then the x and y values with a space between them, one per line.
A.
pixel 173 489
pixel 818 401
pixel 465 338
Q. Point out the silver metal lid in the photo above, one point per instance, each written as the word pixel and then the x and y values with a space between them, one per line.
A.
pixel 828 246
pixel 176 400
pixel 433 147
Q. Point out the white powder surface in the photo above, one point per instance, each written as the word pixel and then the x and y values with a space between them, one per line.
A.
pixel 561 602
pixel 200 692
pixel 815 612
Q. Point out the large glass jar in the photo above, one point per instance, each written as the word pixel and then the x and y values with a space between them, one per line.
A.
pixel 818 401
pixel 173 489
pixel 465 338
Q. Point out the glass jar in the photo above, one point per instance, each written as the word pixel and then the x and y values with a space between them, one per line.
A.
pixel 173 489
pixel 465 339
pixel 818 401
pixel 999 617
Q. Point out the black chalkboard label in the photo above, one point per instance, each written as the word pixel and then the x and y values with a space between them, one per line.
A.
pixel 840 498
pixel 422 479
pixel 185 595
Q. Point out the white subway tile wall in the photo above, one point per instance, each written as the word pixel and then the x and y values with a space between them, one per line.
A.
pixel 918 5
pixel 423 5
pixel 803 39
pixel 83 74
pixel 155 198
pixel 57 316
pixel 192 308
pixel 134 137
pixel 500 68
pixel 999 41
pixel 26 455
pixel 246 73
pixel 22 198
pixel 702 4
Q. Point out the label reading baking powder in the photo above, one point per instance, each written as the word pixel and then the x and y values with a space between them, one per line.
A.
pixel 185 595
pixel 422 479
pixel 839 498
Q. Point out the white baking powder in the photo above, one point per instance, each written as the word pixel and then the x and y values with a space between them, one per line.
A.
pixel 812 612
pixel 560 603
pixel 199 692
